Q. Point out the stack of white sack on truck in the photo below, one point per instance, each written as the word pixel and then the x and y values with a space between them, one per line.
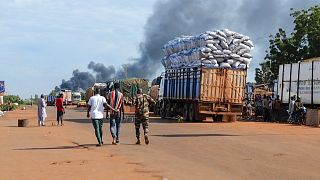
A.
pixel 205 76
pixel 213 49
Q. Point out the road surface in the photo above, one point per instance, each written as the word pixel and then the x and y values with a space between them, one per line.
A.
pixel 241 150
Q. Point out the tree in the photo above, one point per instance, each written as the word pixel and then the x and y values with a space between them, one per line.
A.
pixel 302 44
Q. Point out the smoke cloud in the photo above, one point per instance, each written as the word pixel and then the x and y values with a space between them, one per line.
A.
pixel 102 73
pixel 171 18
pixel 255 18
pixel 79 80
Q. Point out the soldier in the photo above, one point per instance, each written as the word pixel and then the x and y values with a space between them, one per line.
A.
pixel 142 114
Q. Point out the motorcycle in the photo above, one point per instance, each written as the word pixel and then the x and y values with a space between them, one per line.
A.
pixel 298 117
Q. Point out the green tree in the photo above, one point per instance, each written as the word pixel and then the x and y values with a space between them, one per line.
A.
pixel 303 43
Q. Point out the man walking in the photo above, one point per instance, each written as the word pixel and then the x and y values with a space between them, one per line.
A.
pixel 291 110
pixel 277 109
pixel 142 114
pixel 42 113
pixel 60 109
pixel 116 102
pixel 266 108
pixel 96 106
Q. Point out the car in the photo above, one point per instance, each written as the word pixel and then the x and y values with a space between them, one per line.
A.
pixel 82 103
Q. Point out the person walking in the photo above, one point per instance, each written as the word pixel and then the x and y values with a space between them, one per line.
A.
pixel 291 110
pixel 60 109
pixel 42 113
pixel 142 102
pixel 266 107
pixel 116 102
pixel 96 105
pixel 277 109
pixel 296 109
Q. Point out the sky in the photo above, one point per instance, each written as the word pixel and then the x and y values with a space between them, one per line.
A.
pixel 44 41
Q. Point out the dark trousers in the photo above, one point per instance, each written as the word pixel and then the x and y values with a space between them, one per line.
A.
pixel 266 114
pixel 97 124
pixel 60 116
pixel 276 115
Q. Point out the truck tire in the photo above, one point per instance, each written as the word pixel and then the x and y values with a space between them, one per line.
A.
pixel 167 110
pixel 191 113
pixel 186 112
pixel 162 110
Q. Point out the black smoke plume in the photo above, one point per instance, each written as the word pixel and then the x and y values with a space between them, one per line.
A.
pixel 80 80
pixel 102 73
pixel 171 18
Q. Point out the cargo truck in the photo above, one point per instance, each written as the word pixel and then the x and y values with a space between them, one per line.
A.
pixel 128 87
pixel 67 96
pixel 201 93
pixel 76 98
pixel 300 79
pixel 50 100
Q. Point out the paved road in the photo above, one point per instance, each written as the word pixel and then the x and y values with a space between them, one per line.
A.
pixel 241 150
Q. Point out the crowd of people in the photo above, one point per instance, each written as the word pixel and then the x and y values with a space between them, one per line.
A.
pixel 271 109
pixel 109 106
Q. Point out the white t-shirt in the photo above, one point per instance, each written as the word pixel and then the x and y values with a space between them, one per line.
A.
pixel 97 109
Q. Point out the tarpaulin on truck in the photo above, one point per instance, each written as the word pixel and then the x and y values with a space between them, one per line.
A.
pixel 129 88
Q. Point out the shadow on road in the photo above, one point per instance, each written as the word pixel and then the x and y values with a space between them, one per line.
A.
pixel 194 135
pixel 89 121
pixel 127 119
pixel 80 146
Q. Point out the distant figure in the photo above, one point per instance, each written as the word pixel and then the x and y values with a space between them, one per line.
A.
pixel 266 108
pixel 258 105
pixel 60 109
pixel 277 109
pixel 8 105
pixel 291 109
pixel 297 105
pixel 142 114
pixel 116 102
pixel 65 102
pixel 96 106
pixel 42 113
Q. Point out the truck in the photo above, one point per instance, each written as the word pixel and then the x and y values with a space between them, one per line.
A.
pixel 201 93
pixel 300 79
pixel 67 96
pixel 128 87
pixel 50 100
pixel 76 98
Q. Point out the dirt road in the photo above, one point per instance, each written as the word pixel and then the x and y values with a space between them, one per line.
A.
pixel 241 150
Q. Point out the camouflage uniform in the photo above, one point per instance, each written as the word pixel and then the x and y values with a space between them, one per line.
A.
pixel 142 113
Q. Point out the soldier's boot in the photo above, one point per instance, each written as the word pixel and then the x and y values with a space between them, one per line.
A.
pixel 146 139
pixel 138 141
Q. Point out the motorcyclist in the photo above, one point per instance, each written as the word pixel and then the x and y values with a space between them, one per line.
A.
pixel 298 105
pixel 291 109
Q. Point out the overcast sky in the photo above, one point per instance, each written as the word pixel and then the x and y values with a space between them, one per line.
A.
pixel 43 41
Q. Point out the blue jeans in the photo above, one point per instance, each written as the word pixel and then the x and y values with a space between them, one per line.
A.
pixel 115 122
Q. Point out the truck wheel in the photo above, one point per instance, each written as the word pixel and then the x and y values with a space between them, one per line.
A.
pixel 167 112
pixel 185 112
pixel 191 112
pixel 162 110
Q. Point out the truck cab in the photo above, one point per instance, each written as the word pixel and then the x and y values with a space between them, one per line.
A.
pixel 76 97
